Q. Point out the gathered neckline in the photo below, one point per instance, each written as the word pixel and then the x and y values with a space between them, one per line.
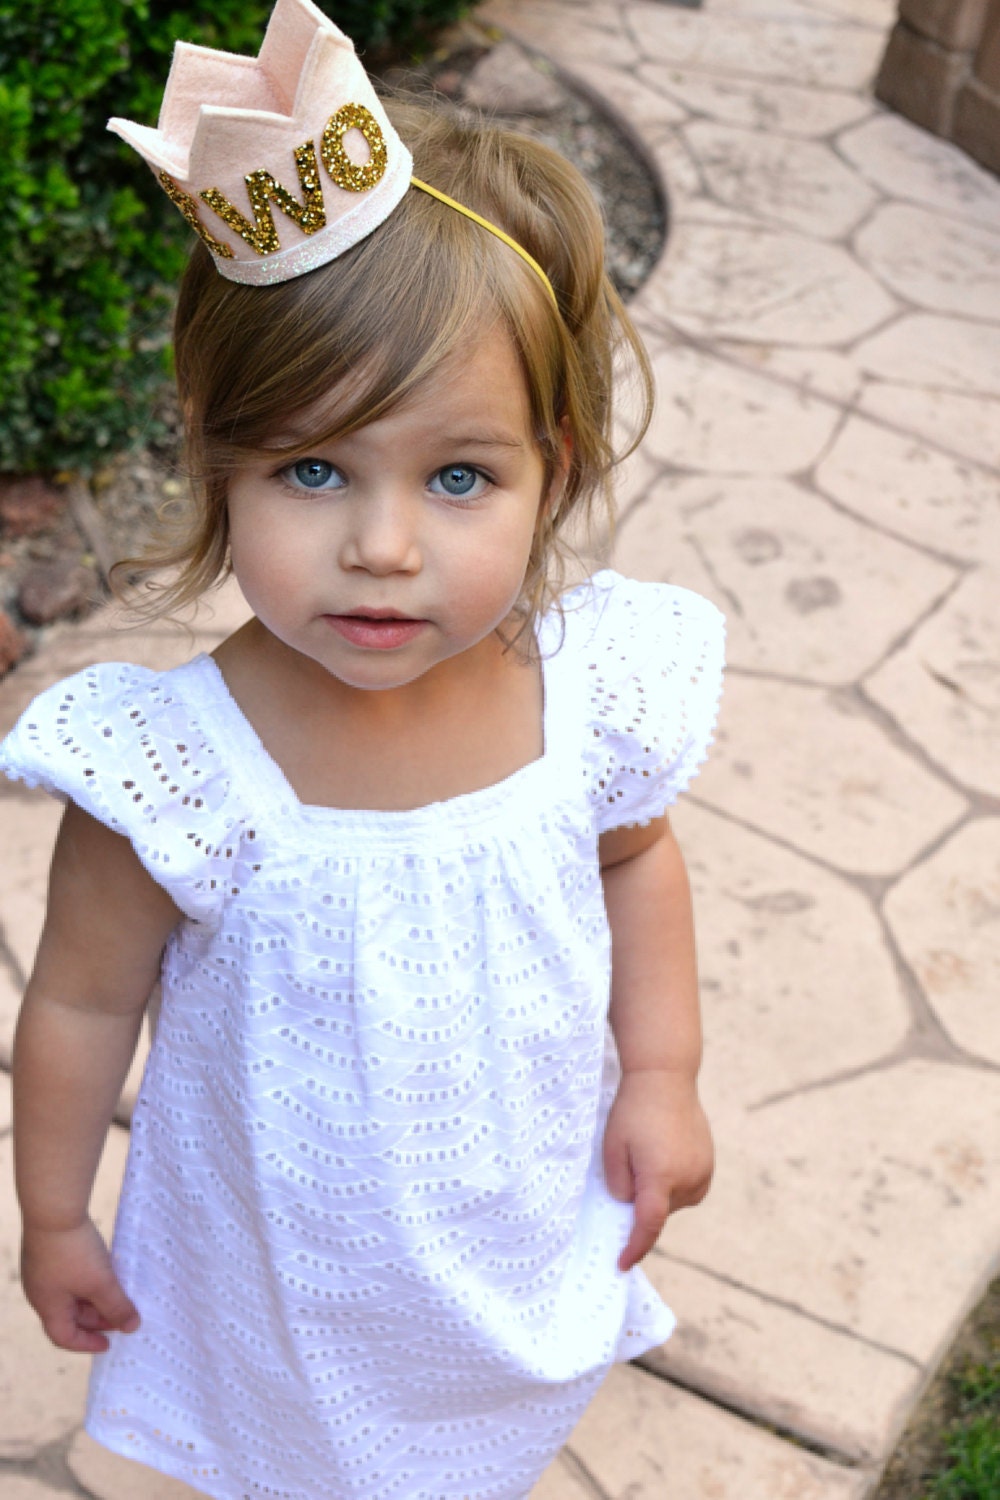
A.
pixel 462 809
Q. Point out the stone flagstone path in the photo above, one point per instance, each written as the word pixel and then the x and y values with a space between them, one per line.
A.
pixel 824 464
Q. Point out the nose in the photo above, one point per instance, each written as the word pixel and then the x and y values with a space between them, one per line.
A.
pixel 382 534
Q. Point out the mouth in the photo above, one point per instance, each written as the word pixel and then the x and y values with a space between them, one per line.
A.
pixel 374 614
pixel 376 629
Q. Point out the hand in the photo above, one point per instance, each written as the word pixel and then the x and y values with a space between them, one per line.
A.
pixel 657 1153
pixel 69 1281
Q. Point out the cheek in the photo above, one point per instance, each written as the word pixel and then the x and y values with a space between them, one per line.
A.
pixel 264 555
pixel 491 575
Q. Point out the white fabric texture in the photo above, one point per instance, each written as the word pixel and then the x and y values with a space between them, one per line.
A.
pixel 364 1217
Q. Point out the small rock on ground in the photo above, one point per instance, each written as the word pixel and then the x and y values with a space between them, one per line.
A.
pixel 29 506
pixel 52 590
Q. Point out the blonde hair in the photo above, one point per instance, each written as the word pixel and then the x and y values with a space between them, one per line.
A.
pixel 372 324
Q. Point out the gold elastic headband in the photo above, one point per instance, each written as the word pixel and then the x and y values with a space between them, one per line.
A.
pixel 425 187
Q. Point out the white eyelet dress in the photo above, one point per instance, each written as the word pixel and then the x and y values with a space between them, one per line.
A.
pixel 364 1217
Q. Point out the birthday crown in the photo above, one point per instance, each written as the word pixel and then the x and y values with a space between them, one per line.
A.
pixel 233 130
pixel 303 100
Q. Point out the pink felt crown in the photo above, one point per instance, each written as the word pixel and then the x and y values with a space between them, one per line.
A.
pixel 280 162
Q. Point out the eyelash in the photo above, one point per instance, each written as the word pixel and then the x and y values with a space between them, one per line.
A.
pixel 487 479
pixel 283 473
pixel 305 489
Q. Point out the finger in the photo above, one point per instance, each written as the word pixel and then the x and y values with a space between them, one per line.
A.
pixel 62 1328
pixel 113 1306
pixel 652 1205
pixel 87 1316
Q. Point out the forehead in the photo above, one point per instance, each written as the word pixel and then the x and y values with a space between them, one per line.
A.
pixel 479 380
pixel 482 373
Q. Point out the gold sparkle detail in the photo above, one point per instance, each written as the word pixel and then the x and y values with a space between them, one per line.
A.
pixel 261 234
pixel 346 173
pixel 189 209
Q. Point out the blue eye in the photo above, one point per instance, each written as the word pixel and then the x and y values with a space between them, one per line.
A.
pixel 459 480
pixel 312 473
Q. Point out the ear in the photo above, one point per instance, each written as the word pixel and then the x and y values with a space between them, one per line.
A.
pixel 561 471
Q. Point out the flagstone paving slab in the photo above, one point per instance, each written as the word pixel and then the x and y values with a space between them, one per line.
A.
pixel 23 1487
pixel 766 286
pixel 560 1482
pixel 871 1204
pixel 945 914
pixel 108 1476
pixel 944 264
pixel 968 426
pixel 880 13
pixel 777 1364
pixel 819 372
pixel 798 183
pixel 678 1445
pixel 775 1019
pixel 699 209
pixel 808 592
pixel 674 163
pixel 918 166
pixel 802 47
pixel 762 106
pixel 842 793
pixel 589 33
pixel 912 489
pixel 714 416
pixel 765 10
pixel 944 684
pixel 644 108
pixel 925 350
pixel 41 1387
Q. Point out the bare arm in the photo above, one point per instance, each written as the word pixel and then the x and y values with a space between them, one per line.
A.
pixel 657 1146
pixel 99 955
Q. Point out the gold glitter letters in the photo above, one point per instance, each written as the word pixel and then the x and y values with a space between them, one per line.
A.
pixel 346 173
pixel 189 209
pixel 261 235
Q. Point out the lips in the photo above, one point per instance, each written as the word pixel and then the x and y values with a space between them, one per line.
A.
pixel 376 629
pixel 374 614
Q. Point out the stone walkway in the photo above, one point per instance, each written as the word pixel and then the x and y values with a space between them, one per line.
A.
pixel 825 326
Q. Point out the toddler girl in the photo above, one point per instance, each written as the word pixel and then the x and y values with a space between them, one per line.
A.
pixel 422 1090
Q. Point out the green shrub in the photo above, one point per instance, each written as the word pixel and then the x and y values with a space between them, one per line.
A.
pixel 90 247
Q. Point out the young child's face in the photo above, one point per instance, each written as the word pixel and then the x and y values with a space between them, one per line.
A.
pixel 424 517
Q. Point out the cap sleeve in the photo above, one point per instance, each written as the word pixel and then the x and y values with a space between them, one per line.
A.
pixel 122 743
pixel 654 663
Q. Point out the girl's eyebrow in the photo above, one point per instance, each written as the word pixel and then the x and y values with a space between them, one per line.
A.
pixel 483 439
pixel 300 442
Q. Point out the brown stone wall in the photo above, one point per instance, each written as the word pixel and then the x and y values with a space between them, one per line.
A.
pixel 942 70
